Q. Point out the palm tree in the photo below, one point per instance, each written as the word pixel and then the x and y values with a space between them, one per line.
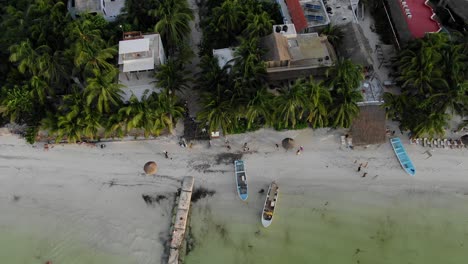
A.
pixel 318 99
pixel 172 76
pixel 249 70
pixel 95 59
pixel 16 104
pixel 432 124
pixel 290 105
pixel 174 21
pixel 260 107
pixel 211 75
pixel 103 91
pixel 229 17
pixel 75 120
pixel 345 74
pixel 258 25
pixel 419 71
pixel 334 34
pixel 168 109
pixel 218 113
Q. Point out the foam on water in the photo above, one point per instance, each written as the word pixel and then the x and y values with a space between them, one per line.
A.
pixel 334 226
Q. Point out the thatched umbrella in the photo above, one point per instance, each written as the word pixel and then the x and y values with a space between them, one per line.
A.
pixel 288 143
pixel 150 168
pixel 464 139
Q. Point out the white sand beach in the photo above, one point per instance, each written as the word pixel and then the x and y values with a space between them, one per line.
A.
pixel 74 194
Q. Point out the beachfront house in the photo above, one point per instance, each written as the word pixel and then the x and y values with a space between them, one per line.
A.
pixel 290 56
pixel 109 9
pixel 139 56
pixel 306 15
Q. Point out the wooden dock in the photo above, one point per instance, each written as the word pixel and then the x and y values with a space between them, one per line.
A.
pixel 180 222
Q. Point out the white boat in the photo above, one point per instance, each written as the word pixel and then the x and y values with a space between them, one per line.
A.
pixel 270 204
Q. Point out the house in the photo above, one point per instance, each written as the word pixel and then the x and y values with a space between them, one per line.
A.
pixel 412 19
pixel 306 15
pixel 139 56
pixel 458 9
pixel 109 9
pixel 290 56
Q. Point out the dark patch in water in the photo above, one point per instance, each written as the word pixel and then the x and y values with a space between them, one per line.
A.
pixel 228 158
pixel 150 199
pixel 201 192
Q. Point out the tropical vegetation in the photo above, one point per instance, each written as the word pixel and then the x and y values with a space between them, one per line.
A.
pixel 60 74
pixel 432 73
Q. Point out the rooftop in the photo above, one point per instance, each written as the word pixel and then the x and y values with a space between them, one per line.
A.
pixel 297 14
pixel 369 126
pixel 224 56
pixel 355 45
pixel 419 17
pixel 139 54
pixel 88 5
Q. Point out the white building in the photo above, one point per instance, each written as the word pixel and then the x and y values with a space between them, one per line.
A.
pixel 224 56
pixel 109 9
pixel 139 56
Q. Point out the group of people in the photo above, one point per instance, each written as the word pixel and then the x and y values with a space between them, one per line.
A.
pixel 299 151
pixel 360 168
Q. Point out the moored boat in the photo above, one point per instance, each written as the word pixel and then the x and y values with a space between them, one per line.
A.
pixel 270 204
pixel 241 179
pixel 402 156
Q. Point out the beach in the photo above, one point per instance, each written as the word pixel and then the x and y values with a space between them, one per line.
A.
pixel 74 202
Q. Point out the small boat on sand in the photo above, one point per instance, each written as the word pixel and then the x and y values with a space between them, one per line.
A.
pixel 270 204
pixel 241 179
pixel 402 156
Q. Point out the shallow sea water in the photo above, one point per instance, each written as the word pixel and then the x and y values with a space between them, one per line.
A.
pixel 333 226
pixel 17 247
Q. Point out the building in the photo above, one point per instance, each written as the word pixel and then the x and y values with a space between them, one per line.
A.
pixel 139 56
pixel 109 9
pixel 224 56
pixel 290 56
pixel 355 46
pixel 458 9
pixel 412 18
pixel 306 15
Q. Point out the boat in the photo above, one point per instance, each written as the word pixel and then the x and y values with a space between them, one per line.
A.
pixel 402 156
pixel 241 179
pixel 270 204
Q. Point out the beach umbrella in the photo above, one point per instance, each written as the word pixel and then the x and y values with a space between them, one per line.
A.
pixel 150 168
pixel 464 139
pixel 288 143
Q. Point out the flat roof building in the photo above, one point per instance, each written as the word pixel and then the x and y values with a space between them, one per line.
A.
pixel 295 57
pixel 109 9
pixel 139 56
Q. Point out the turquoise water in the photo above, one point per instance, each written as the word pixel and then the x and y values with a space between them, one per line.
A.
pixel 31 248
pixel 333 226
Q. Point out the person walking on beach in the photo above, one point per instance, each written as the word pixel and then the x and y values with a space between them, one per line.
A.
pixel 228 147
pixel 277 146
pixel 364 175
pixel 301 148
pixel 359 168
pixel 166 154
pixel 298 152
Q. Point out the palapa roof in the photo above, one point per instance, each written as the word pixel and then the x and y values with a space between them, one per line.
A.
pixel 369 126
pixel 288 143
pixel 276 46
pixel 150 167
pixel 355 45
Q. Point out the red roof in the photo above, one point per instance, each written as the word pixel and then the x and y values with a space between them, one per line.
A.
pixel 421 21
pixel 297 15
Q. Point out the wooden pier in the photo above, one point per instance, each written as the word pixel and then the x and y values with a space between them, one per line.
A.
pixel 180 221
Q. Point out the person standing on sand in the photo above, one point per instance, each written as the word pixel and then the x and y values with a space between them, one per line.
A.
pixel 277 146
pixel 359 168
pixel 364 175
pixel 301 148
pixel 298 152
pixel 166 154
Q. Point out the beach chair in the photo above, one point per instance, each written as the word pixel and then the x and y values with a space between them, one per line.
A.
pixel 455 144
pixel 445 143
pixel 429 143
pixel 350 143
pixel 424 142
pixel 343 140
pixel 434 142
pixel 460 144
pixel 439 143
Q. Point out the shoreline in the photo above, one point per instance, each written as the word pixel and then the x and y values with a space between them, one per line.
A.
pixel 98 192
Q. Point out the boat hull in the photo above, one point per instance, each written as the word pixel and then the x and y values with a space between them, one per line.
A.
pixel 270 203
pixel 241 179
pixel 402 156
